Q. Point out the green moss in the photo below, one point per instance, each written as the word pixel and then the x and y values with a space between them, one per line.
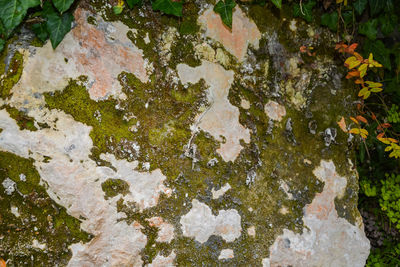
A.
pixel 113 187
pixel 24 121
pixel 13 74
pixel 39 218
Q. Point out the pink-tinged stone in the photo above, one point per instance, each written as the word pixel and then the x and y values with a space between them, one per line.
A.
pixel 244 31
pixel 226 254
pixel 100 52
pixel 327 239
pixel 166 230
pixel 222 118
pixel 275 111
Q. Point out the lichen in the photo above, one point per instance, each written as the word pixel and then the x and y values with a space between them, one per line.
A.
pixel 11 73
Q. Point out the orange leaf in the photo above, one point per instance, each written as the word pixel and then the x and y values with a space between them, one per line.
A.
pixel 386 125
pixel 352 73
pixel 360 81
pixel 303 49
pixel 353 119
pixel 379 136
pixel 373 116
pixel 350 49
pixel 342 125
pixel 362 119
pixel 2 263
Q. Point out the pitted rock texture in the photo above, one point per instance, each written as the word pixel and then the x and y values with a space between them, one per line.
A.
pixel 179 143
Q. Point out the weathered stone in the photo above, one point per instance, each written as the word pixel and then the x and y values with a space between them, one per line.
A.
pixel 172 147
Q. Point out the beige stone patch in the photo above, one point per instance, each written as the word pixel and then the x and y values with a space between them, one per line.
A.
pixel 244 31
pixel 101 52
pixel 275 111
pixel 327 239
pixel 200 223
pixel 161 261
pixel 219 193
pixel 205 51
pixel 221 118
pixel 226 254
pixel 166 230
pixel 245 103
pixel 251 231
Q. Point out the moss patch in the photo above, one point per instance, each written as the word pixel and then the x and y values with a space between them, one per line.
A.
pixel 113 187
pixel 13 74
pixel 29 214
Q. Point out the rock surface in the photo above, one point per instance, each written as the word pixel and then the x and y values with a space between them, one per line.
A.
pixel 158 142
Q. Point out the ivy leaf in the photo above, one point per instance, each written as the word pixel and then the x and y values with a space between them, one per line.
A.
pixel 41 31
pixel 375 6
pixel 30 3
pixel 360 5
pixel 132 3
pixel 12 12
pixel 330 20
pixel 224 9
pixel 2 43
pixel 168 7
pixel 58 27
pixel 62 5
pixel 305 11
pixel 369 28
pixel 277 3
pixel 118 9
pixel 388 23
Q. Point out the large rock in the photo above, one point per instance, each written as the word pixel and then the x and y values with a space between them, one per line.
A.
pixel 178 143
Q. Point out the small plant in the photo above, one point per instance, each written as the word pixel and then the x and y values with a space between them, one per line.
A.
pixel 390 198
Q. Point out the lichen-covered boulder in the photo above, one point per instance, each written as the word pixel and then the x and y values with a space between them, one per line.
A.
pixel 148 140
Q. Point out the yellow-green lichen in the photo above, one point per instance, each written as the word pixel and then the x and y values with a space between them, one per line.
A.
pixel 12 75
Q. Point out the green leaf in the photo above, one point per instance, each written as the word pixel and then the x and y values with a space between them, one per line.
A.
pixel 277 3
pixel 369 28
pixel 48 10
pixel 62 5
pixel 41 31
pixel 58 27
pixel 360 5
pixel 388 23
pixel 12 12
pixel 376 6
pixel 2 43
pixel 132 3
pixel 388 6
pixel 168 7
pixel 118 9
pixel 380 52
pixel 224 9
pixel 305 10
pixel 330 20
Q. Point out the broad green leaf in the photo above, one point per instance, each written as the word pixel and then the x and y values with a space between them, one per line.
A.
pixel 305 10
pixel 12 12
pixel 389 6
pixel 63 5
pixel 132 3
pixel 118 9
pixel 376 6
pixel 347 16
pixel 388 23
pixel 40 30
pixel 277 3
pixel 369 28
pixel 168 7
pixel 360 5
pixel 58 27
pixel 2 43
pixel 224 8
pixel 380 52
pixel 330 20
pixel 48 10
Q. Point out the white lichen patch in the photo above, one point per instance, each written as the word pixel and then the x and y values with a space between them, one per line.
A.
pixel 275 111
pixel 99 52
pixel 221 118
pixel 220 192
pixel 251 231
pixel 327 239
pixel 226 254
pixel 244 32
pixel 205 51
pixel 200 223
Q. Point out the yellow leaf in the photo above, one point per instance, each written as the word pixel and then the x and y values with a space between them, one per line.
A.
pixel 354 131
pixel 373 84
pixel 376 90
pixel 363 133
pixel 363 69
pixel 363 91
pixel 352 62
pixel 388 148
pixel 384 140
